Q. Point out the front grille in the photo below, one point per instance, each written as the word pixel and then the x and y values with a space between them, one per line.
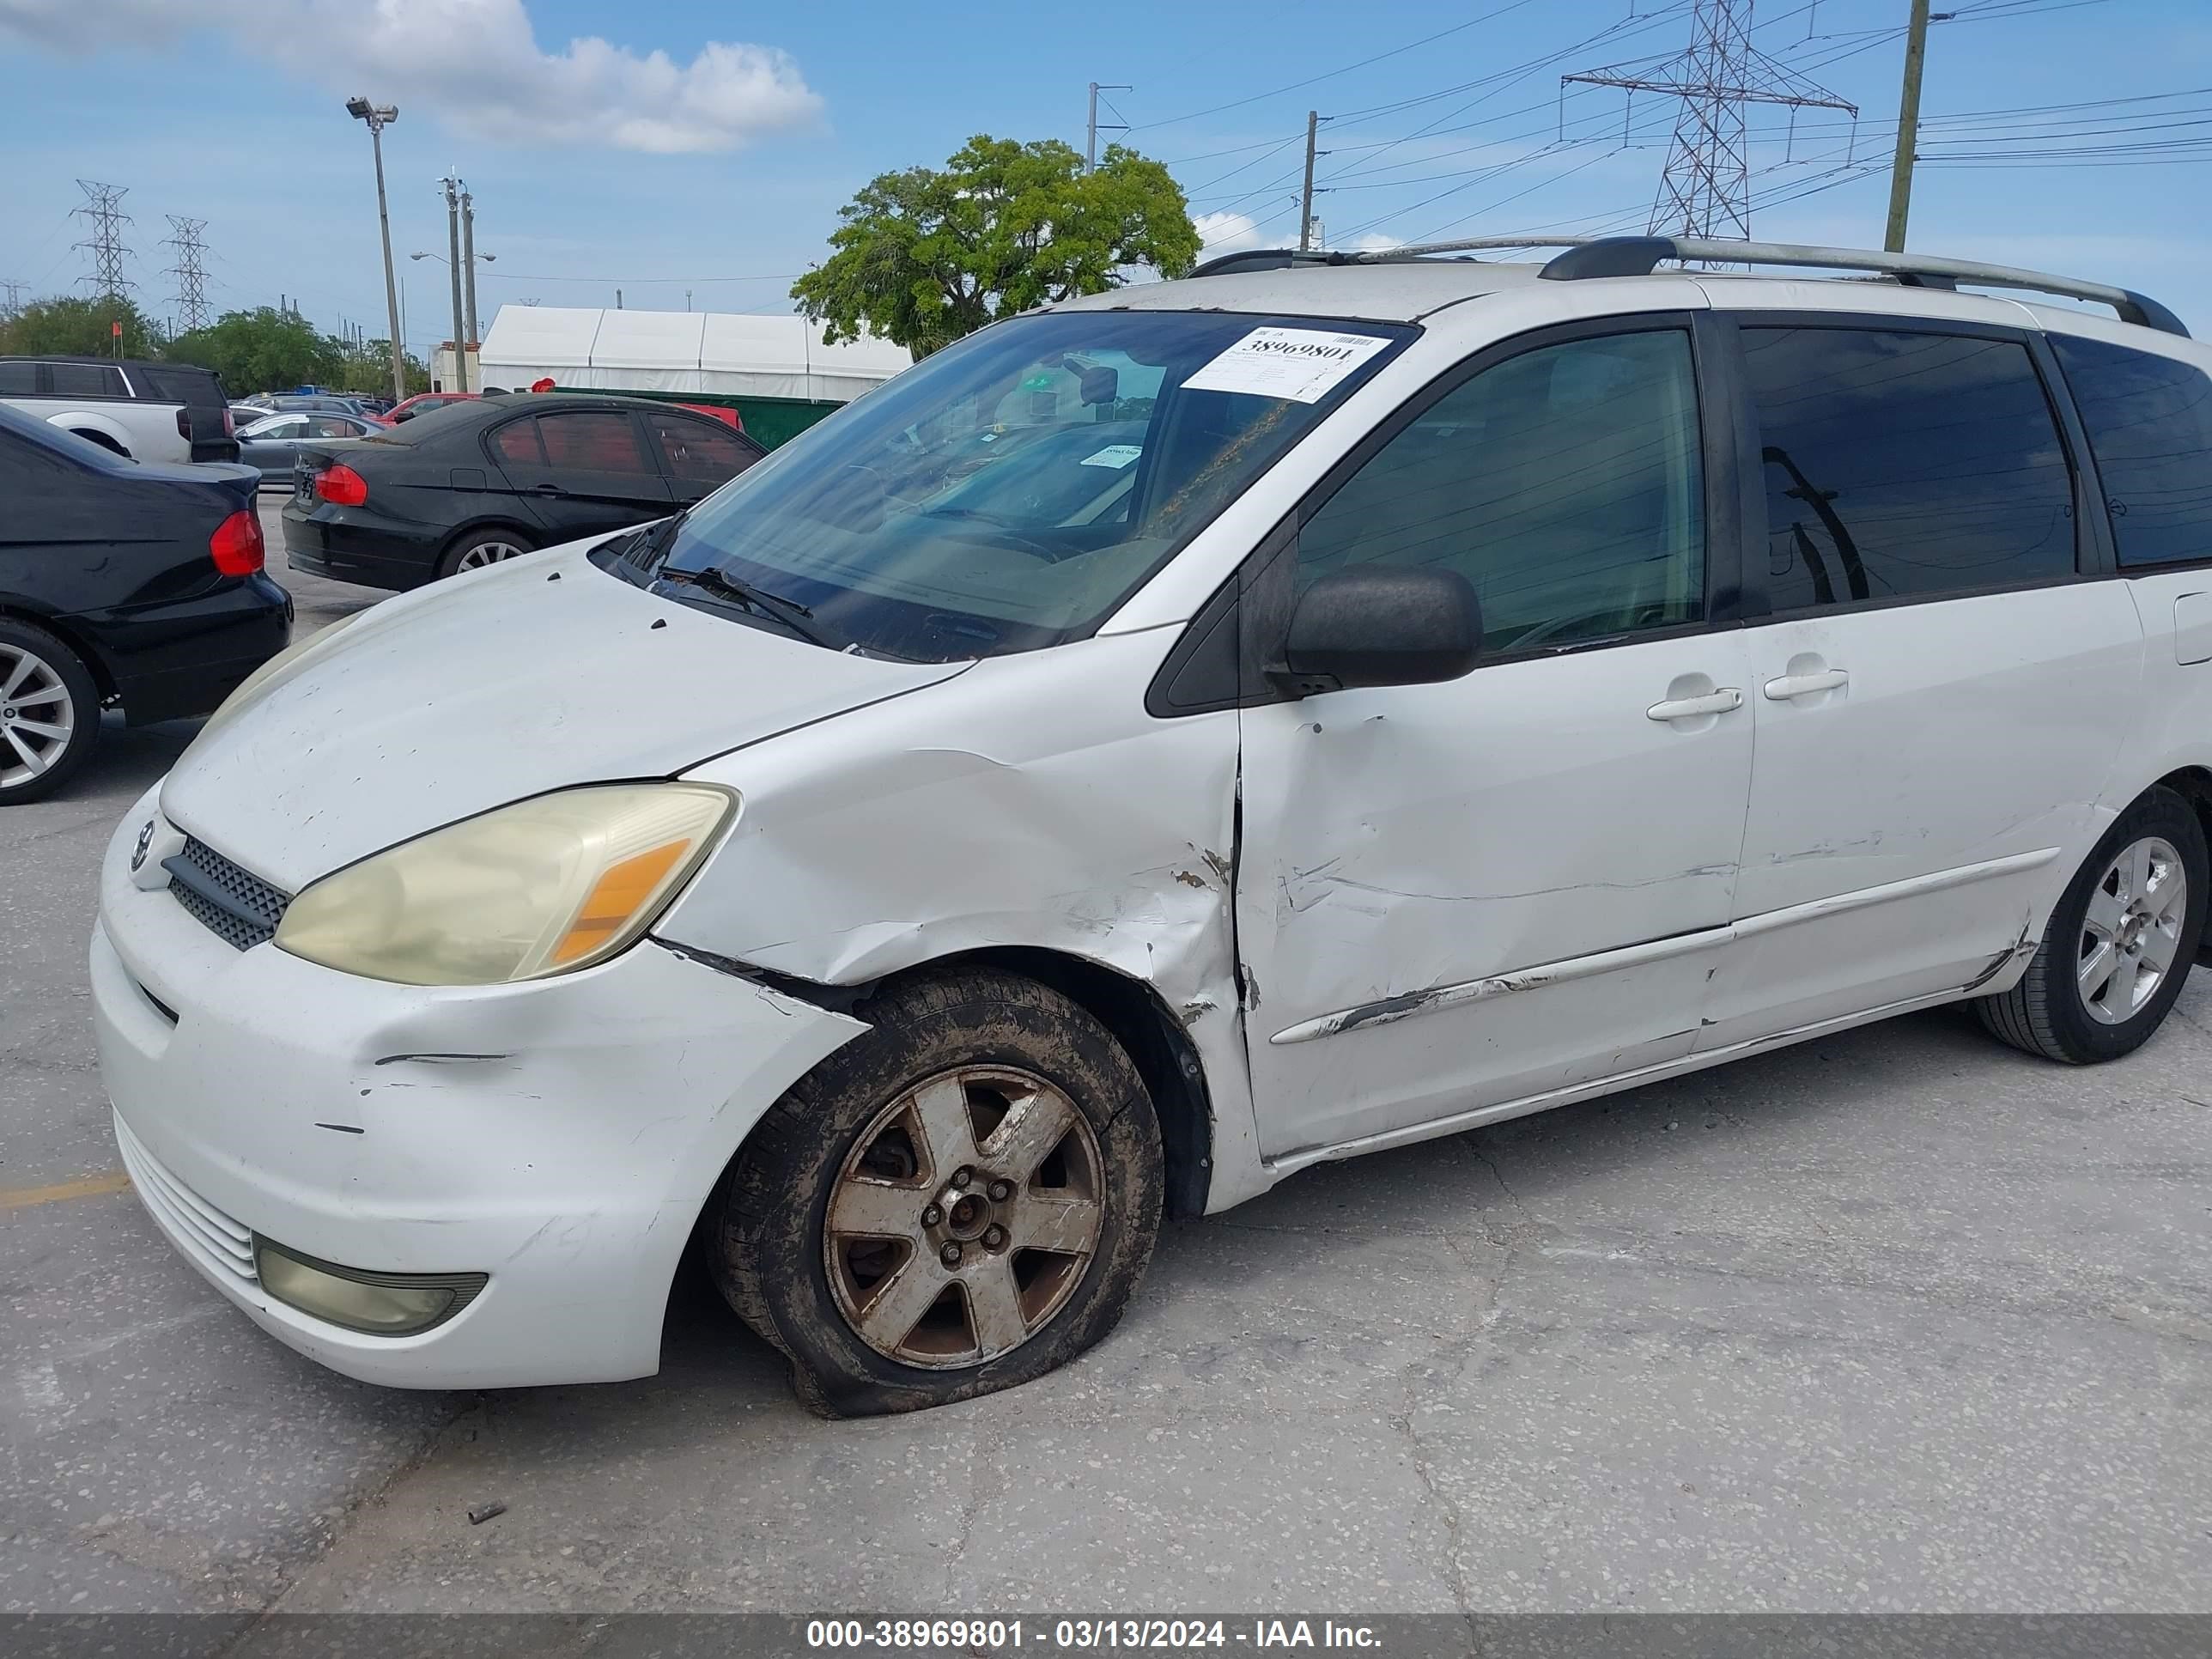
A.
pixel 235 904
pixel 198 1227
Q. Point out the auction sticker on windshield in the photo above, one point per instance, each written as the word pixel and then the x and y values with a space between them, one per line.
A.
pixel 1302 364
pixel 1114 455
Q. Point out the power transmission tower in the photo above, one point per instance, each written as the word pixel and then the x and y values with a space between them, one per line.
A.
pixel 1091 140
pixel 11 297
pixel 1705 190
pixel 103 212
pixel 190 275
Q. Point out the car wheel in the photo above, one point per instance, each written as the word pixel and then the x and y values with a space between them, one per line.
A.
pixel 2119 942
pixel 956 1201
pixel 49 712
pixel 480 548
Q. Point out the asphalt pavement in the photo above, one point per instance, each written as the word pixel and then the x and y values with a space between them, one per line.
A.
pixel 1900 1320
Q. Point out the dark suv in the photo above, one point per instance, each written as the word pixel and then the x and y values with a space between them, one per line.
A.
pixel 146 411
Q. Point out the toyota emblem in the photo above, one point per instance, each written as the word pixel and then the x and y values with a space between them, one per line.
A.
pixel 139 853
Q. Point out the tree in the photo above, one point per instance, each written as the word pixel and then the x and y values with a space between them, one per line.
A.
pixel 925 256
pixel 66 326
pixel 262 350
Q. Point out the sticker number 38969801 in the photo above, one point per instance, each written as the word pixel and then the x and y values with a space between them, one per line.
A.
pixel 1302 364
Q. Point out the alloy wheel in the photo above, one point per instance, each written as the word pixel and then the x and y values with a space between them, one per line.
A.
pixel 484 553
pixel 964 1217
pixel 37 718
pixel 2131 931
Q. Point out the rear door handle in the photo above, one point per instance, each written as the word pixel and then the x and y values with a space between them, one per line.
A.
pixel 547 489
pixel 1691 709
pixel 1805 685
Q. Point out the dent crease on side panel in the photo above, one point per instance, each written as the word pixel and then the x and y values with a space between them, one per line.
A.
pixel 871 845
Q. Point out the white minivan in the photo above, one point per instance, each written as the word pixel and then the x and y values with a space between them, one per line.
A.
pixel 1161 742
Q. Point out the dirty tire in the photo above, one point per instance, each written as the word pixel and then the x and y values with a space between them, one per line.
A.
pixel 43 667
pixel 770 1253
pixel 2047 1013
pixel 480 548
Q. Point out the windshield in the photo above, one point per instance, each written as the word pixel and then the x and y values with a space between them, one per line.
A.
pixel 1008 492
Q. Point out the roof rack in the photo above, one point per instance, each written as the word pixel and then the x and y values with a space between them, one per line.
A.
pixel 1639 256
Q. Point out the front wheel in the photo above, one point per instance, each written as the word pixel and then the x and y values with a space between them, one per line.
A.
pixel 49 712
pixel 958 1201
pixel 2119 941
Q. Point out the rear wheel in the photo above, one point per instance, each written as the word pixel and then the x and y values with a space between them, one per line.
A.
pixel 2119 942
pixel 958 1201
pixel 49 712
pixel 480 548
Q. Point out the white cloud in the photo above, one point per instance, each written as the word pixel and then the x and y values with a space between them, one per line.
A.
pixel 1376 242
pixel 1225 232
pixel 475 64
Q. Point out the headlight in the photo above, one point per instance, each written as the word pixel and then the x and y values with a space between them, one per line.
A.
pixel 279 668
pixel 545 886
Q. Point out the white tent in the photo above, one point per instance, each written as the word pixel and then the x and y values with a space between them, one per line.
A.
pixel 720 353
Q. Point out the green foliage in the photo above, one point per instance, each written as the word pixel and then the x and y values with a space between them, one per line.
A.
pixel 261 350
pixel 925 256
pixel 67 326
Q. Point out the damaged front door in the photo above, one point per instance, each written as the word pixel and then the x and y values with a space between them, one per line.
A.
pixel 1458 894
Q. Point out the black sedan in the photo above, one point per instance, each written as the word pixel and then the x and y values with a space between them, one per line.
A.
pixel 480 482
pixel 137 582
pixel 272 443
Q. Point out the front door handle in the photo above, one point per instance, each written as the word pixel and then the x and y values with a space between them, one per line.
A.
pixel 1691 709
pixel 1806 685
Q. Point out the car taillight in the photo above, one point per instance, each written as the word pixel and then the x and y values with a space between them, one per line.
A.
pixel 340 486
pixel 184 424
pixel 229 424
pixel 236 546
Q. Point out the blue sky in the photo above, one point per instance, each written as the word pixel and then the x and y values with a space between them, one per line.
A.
pixel 717 167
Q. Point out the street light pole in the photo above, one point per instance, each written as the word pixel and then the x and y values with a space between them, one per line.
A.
pixel 377 119
pixel 454 268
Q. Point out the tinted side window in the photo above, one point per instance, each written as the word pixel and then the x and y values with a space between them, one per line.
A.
pixel 18 379
pixel 516 443
pixel 1565 484
pixel 1900 463
pixel 88 380
pixel 593 441
pixel 2150 429
pixel 699 449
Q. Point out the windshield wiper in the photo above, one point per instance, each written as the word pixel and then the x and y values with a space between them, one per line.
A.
pixel 755 599
pixel 660 540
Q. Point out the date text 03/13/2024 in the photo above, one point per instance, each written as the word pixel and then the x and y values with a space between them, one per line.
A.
pixel 1083 1634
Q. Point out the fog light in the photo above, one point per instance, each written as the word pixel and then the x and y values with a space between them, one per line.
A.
pixel 377 1304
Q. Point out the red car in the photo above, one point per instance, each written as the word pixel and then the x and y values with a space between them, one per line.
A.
pixel 423 402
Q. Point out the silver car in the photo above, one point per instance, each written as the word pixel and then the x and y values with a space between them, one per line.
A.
pixel 270 443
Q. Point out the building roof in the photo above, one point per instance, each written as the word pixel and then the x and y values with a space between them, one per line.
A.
pixel 729 354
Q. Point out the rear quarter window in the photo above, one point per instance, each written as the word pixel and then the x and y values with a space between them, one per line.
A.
pixel 88 380
pixel 2149 420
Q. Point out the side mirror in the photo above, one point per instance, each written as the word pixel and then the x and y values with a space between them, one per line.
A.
pixel 1380 625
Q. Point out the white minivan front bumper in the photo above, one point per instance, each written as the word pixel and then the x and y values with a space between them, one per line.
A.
pixel 559 1135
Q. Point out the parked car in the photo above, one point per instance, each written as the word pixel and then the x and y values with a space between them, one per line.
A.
pixel 273 442
pixel 911 882
pixel 131 582
pixel 492 479
pixel 314 402
pixel 145 411
pixel 423 402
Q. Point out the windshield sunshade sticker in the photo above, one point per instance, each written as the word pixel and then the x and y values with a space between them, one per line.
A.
pixel 1302 364
pixel 1114 455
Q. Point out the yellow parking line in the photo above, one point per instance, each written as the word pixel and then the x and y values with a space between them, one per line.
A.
pixel 94 1186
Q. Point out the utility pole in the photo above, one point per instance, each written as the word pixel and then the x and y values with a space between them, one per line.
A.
pixel 1090 141
pixel 453 270
pixel 377 118
pixel 1908 128
pixel 1305 195
pixel 469 257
